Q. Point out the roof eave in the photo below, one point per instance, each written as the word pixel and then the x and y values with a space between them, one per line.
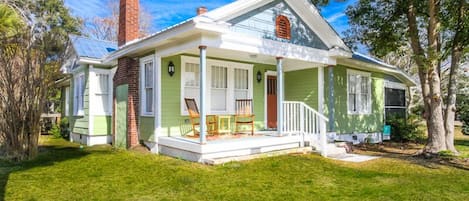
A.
pixel 404 77
pixel 149 41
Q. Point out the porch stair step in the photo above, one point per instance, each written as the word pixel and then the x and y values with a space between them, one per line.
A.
pixel 332 149
pixel 218 161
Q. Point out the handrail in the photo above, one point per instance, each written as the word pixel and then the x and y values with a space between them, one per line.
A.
pixel 301 119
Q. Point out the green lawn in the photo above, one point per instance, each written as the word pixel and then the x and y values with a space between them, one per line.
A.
pixel 64 172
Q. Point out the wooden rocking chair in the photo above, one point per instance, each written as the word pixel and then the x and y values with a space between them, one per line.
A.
pixel 194 117
pixel 244 114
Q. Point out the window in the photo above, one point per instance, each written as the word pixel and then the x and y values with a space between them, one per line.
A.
pixel 191 81
pixel 226 82
pixel 358 92
pixel 395 100
pixel 78 94
pixel 67 101
pixel 103 93
pixel 282 27
pixel 241 78
pixel 148 84
pixel 219 88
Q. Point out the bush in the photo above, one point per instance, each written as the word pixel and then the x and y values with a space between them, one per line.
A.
pixel 64 128
pixel 462 112
pixel 55 131
pixel 406 130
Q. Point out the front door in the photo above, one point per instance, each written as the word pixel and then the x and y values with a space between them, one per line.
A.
pixel 271 102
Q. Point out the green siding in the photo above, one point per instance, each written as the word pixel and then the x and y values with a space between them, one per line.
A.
pixel 259 94
pixel 121 115
pixel 171 97
pixel 302 86
pixel 79 124
pixel 147 127
pixel 102 125
pixel 345 123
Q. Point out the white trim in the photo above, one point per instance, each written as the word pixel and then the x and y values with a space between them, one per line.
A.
pixel 377 68
pixel 94 82
pixel 266 74
pixel 143 61
pixel 91 97
pixel 394 85
pixel 158 115
pixel 321 90
pixel 230 65
pixel 67 101
pixel 79 77
pixel 370 99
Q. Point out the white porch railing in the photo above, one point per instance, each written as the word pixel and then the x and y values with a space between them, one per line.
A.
pixel 300 119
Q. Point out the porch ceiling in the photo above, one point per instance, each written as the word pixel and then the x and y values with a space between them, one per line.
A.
pixel 232 55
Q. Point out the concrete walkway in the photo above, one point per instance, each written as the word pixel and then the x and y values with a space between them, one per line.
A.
pixel 356 158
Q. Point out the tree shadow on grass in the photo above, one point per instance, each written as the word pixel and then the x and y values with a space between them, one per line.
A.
pixel 48 156
pixel 412 154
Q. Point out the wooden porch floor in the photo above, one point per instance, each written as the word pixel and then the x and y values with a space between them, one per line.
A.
pixel 189 148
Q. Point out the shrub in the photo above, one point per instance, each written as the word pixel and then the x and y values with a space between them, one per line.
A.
pixel 64 128
pixel 406 130
pixel 462 112
pixel 55 131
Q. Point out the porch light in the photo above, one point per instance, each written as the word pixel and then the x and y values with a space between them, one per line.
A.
pixel 259 76
pixel 171 68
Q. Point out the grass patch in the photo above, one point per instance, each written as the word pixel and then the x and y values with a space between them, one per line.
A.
pixel 65 172
pixel 461 142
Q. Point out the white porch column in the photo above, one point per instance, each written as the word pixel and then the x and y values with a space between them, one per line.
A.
pixel 321 90
pixel 280 95
pixel 202 86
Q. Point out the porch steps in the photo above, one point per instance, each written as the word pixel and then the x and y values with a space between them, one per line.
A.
pixel 332 149
pixel 218 161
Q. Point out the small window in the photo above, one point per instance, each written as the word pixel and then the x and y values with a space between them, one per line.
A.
pixel 148 83
pixel 102 93
pixel 219 88
pixel 358 92
pixel 78 94
pixel 283 27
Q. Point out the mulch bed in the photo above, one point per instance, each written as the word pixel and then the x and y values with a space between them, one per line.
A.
pixel 410 151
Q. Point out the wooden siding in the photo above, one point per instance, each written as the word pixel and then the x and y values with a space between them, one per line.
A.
pixel 261 23
pixel 79 124
pixel 102 125
pixel 345 123
pixel 302 86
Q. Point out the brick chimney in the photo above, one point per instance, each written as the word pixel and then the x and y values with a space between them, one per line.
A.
pixel 201 10
pixel 128 21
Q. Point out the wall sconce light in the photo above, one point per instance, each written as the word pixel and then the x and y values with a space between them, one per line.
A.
pixel 259 76
pixel 171 68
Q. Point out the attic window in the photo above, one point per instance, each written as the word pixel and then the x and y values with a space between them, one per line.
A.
pixel 282 27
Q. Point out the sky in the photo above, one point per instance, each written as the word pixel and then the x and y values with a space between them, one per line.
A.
pixel 169 12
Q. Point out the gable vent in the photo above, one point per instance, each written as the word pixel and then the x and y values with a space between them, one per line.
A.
pixel 282 27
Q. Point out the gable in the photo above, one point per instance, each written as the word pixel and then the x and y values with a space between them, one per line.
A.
pixel 261 22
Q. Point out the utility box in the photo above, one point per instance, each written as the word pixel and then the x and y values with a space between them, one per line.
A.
pixel 387 132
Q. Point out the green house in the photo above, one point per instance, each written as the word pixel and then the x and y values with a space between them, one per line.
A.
pixel 306 87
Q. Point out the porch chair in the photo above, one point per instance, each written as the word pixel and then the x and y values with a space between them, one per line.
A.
pixel 244 114
pixel 194 117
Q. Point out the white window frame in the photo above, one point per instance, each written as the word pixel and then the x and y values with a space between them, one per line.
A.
pixel 94 80
pixel 143 61
pixel 79 86
pixel 358 88
pixel 230 79
pixel 67 101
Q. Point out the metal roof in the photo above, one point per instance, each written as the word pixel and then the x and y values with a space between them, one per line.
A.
pixel 92 48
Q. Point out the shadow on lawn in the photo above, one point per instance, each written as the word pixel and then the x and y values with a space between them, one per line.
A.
pixel 412 154
pixel 48 155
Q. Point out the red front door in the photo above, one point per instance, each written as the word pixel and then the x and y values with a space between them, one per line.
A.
pixel 271 102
